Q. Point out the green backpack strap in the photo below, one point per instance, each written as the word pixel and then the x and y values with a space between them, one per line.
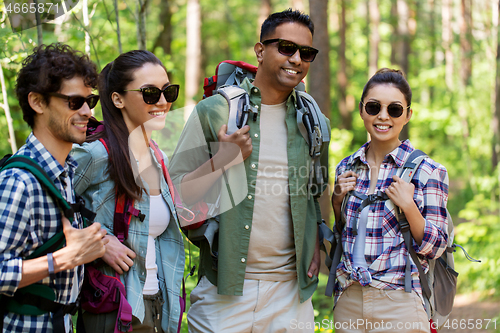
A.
pixel 27 163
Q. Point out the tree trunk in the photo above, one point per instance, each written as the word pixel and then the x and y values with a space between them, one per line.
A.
pixel 264 11
pixel 432 27
pixel 141 24
pixel 193 54
pixel 446 14
pixel 374 39
pixel 118 34
pixel 466 42
pixel 404 34
pixel 319 75
pixel 345 114
pixel 5 106
pixel 85 14
pixel 395 33
pixel 164 39
pixel 298 5
pixel 39 29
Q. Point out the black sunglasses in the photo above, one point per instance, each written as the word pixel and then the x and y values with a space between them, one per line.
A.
pixel 151 95
pixel 394 110
pixel 76 102
pixel 287 48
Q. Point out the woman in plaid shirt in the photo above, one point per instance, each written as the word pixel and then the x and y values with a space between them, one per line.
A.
pixel 369 291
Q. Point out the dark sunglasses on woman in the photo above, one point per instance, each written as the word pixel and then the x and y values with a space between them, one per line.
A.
pixel 151 95
pixel 76 102
pixel 287 48
pixel 394 110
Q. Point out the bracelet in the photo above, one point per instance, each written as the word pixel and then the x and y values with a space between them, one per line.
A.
pixel 50 260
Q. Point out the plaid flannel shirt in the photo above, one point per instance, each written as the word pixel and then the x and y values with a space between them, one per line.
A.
pixel 385 250
pixel 28 218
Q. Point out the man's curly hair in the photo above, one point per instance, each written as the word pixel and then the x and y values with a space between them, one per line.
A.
pixel 44 70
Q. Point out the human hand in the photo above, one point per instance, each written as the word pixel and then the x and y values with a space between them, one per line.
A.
pixel 345 182
pixel 232 144
pixel 118 256
pixel 401 193
pixel 315 262
pixel 83 245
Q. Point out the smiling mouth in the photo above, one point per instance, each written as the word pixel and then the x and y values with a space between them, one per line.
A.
pixel 157 113
pixel 290 71
pixel 80 125
pixel 383 127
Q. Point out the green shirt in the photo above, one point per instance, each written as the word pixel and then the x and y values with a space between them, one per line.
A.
pixel 235 224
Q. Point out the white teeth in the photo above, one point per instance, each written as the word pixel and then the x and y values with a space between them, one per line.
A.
pixel 290 71
pixel 159 113
pixel 80 125
pixel 382 127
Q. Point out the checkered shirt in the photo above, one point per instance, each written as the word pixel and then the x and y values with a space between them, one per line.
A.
pixel 385 250
pixel 28 218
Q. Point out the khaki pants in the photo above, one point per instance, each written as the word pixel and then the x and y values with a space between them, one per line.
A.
pixel 367 309
pixel 265 307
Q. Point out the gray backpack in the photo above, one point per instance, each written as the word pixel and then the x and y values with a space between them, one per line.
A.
pixel 439 285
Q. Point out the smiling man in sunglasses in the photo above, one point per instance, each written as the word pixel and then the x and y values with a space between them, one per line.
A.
pixel 54 88
pixel 268 251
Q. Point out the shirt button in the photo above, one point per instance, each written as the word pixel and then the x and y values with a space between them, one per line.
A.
pixel 256 135
pixel 254 165
pixel 373 210
pixel 257 107
pixel 249 197
pixel 255 90
pixel 247 227
pixel 243 260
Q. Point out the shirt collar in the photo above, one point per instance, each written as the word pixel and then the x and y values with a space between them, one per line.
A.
pixel 398 155
pixel 255 96
pixel 45 159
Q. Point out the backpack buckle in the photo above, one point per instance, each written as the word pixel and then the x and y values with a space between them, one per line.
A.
pixel 123 327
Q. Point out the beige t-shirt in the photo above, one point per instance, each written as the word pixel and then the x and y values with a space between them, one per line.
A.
pixel 271 252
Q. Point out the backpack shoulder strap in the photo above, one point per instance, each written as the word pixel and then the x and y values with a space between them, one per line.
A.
pixel 27 163
pixel 407 173
pixel 411 165
pixel 313 127
pixel 239 106
pixel 313 107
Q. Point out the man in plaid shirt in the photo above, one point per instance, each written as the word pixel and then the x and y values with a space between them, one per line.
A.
pixel 54 88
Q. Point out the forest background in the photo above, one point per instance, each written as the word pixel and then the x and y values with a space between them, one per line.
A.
pixel 450 50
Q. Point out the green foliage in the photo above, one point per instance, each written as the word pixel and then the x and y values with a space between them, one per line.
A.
pixel 479 235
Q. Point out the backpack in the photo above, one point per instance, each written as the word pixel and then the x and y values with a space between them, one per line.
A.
pixel 439 285
pixel 311 123
pixel 102 293
pixel 37 299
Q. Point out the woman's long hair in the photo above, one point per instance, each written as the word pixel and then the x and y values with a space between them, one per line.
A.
pixel 114 78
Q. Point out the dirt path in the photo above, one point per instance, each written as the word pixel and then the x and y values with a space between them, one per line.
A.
pixel 473 315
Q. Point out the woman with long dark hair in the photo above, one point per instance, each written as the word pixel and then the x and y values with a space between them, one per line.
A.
pixel 368 193
pixel 121 161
